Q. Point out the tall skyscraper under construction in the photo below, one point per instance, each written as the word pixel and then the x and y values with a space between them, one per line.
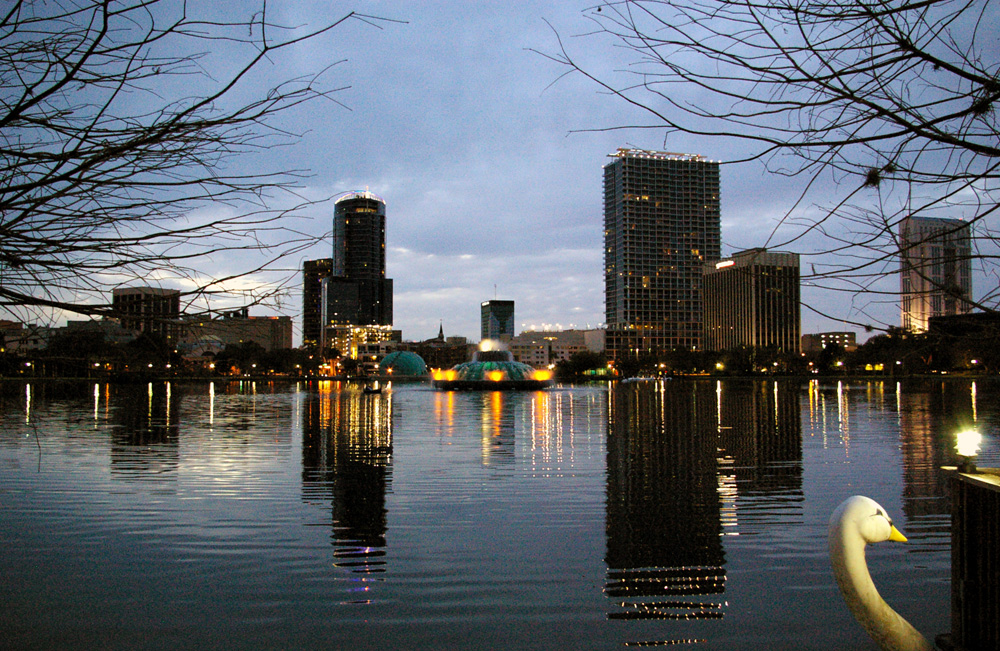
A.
pixel 935 269
pixel 661 225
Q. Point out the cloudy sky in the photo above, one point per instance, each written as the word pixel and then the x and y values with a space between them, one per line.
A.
pixel 490 161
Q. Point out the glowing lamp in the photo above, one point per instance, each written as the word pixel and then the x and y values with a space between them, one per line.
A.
pixel 967 444
pixel 542 375
pixel 496 376
pixel 450 375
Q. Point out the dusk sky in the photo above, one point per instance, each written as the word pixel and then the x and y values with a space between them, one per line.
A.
pixel 490 162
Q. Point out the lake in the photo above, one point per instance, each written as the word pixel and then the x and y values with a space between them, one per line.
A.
pixel 313 516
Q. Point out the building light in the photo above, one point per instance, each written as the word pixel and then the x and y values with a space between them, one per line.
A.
pixel 724 264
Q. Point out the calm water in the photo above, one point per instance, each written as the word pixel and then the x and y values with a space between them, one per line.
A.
pixel 263 516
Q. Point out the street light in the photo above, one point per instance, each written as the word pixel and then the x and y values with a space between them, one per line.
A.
pixel 967 444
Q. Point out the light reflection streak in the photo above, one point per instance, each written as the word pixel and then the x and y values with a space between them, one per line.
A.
pixel 97 403
pixel 27 403
pixel 728 495
pixel 718 405
pixel 777 415
pixel 975 414
pixel 843 415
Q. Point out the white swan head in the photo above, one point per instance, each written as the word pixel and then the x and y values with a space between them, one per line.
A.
pixel 857 522
pixel 864 517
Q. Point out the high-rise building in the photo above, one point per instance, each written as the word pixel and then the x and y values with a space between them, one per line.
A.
pixel 497 320
pixel 661 225
pixel 148 310
pixel 356 297
pixel 935 269
pixel 752 299
pixel 313 274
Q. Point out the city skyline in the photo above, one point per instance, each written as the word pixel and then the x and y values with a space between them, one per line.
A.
pixel 491 164
pixel 490 161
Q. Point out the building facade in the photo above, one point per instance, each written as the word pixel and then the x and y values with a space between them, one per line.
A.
pixel 148 310
pixel 313 274
pixel 269 332
pixel 355 299
pixel 497 320
pixel 935 270
pixel 541 348
pixel 818 341
pixel 661 225
pixel 752 299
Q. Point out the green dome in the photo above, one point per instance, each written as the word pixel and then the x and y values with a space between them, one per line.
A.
pixel 402 363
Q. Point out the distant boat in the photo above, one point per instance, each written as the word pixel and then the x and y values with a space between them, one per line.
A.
pixel 372 388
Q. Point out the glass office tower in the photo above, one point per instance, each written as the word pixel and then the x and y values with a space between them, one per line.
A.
pixel 661 225
pixel 350 290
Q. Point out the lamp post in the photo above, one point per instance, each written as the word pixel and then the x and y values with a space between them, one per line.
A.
pixel 967 444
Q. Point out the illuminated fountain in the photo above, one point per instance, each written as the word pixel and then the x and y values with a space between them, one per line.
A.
pixel 492 369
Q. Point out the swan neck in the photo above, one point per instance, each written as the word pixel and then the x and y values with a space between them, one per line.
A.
pixel 887 627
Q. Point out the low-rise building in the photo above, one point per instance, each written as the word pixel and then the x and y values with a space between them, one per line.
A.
pixel 541 348
pixel 234 328
pixel 815 343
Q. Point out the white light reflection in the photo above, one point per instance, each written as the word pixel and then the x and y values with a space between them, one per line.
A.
pixel 777 416
pixel 97 403
pixel 975 416
pixel 843 414
pixel 728 493
pixel 27 403
pixel 211 404
pixel 718 405
pixel 899 404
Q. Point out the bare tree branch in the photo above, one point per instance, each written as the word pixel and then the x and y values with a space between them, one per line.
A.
pixel 118 146
pixel 894 100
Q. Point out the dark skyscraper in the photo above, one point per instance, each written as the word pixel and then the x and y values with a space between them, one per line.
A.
pixel 359 293
pixel 313 274
pixel 497 320
pixel 346 299
pixel 661 225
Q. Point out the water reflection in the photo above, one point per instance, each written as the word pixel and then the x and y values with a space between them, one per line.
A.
pixel 497 428
pixel 663 513
pixel 144 422
pixel 347 459
pixel 760 447
pixel 664 548
pixel 930 414
pixel 689 463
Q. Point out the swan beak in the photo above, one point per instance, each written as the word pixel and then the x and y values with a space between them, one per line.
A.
pixel 895 535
